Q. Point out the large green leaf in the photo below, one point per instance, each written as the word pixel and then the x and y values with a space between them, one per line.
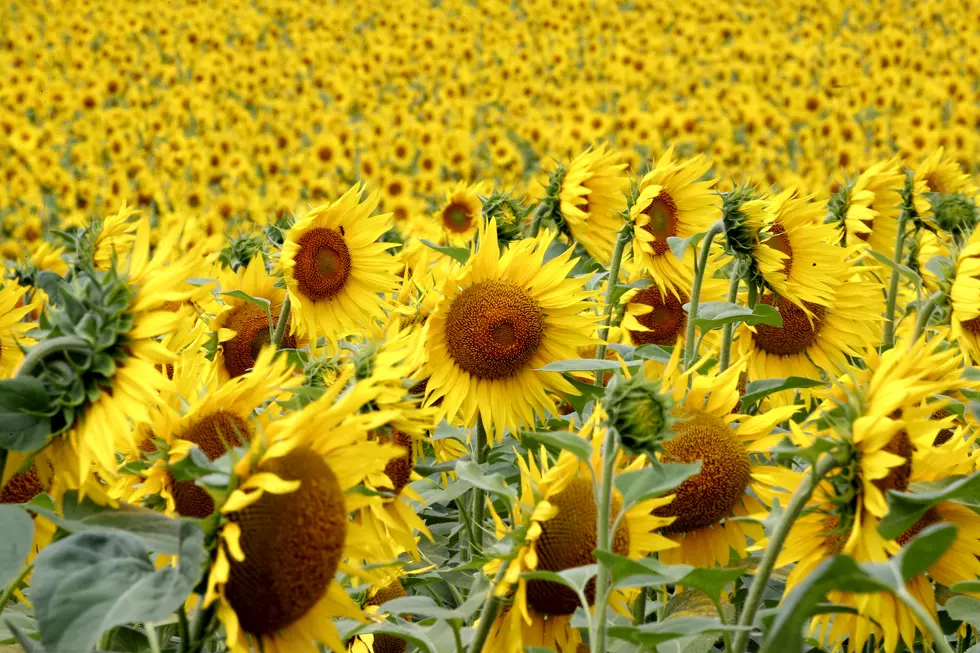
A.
pixel 29 644
pixel 158 532
pixel 580 365
pixel 905 508
pixel 655 480
pixel 657 633
pixel 92 581
pixel 964 608
pixel 647 572
pixel 713 315
pixel 17 530
pixel 477 475
pixel 25 410
pixel 461 254
pixel 756 390
pixel 573 443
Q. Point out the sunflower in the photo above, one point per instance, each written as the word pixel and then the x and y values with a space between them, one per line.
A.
pixel 284 533
pixel 502 317
pixel 938 175
pixel 21 481
pixel 810 264
pixel 214 417
pixel 378 594
pixel 242 326
pixel 875 202
pixel 707 507
pixel 557 505
pixel 15 305
pixel 809 345
pixel 335 268
pixel 116 234
pixel 888 425
pixel 671 203
pixel 460 213
pixel 964 298
pixel 591 199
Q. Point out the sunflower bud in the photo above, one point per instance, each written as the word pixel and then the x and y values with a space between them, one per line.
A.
pixel 954 214
pixel 240 250
pixel 741 233
pixel 509 212
pixel 640 414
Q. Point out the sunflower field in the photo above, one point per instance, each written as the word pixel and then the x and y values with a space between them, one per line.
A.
pixel 462 326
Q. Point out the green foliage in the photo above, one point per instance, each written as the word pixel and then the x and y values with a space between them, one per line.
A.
pixel 18 536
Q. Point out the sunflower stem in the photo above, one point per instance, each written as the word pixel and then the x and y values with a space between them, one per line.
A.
pixel 938 638
pixel 537 218
pixel 726 334
pixel 610 449
pixel 701 266
pixel 14 585
pixel 464 518
pixel 152 637
pixel 640 608
pixel 925 313
pixel 199 626
pixel 479 498
pixel 753 295
pixel 776 540
pixel 280 331
pixel 614 265
pixel 888 339
pixel 35 357
pixel 489 613
pixel 183 630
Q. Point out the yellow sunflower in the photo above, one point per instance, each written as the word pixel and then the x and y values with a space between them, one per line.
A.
pixel 938 175
pixel 459 215
pixel 809 345
pixel 875 202
pixel 891 430
pixel 243 326
pixel 730 485
pixel 214 417
pixel 811 264
pixel 672 203
pixel 558 506
pixel 285 531
pixel 964 298
pixel 591 199
pixel 336 270
pixel 503 317
pixel 387 589
pixel 15 305
pixel 19 483
pixel 115 238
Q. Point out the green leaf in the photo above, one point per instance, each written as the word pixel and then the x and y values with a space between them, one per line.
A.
pixel 712 581
pixel 679 245
pixel 580 365
pixel 904 270
pixel 713 315
pixel 29 644
pixel 573 443
pixel 923 550
pixel 655 480
pixel 477 475
pixel 461 254
pixel 905 508
pixel 786 631
pixel 424 606
pixel 964 608
pixel 756 390
pixel 653 353
pixel 25 410
pixel 655 634
pixel 589 391
pixel 261 302
pixel 17 528
pixel 159 533
pixel 90 582
pixel 576 577
pixel 966 586
pixel 412 633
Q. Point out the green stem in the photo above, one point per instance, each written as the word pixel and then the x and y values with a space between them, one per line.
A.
pixel 479 498
pixel 537 218
pixel 14 585
pixel 151 637
pixel 925 313
pixel 459 641
pixel 489 613
pixel 753 295
pixel 699 270
pixel 199 626
pixel 726 335
pixel 42 350
pixel 888 339
pixel 439 468
pixel 280 331
pixel 610 448
pixel 464 518
pixel 938 638
pixel 776 540
pixel 640 608
pixel 614 265
pixel 183 630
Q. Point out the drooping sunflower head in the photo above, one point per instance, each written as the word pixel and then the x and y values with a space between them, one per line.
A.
pixel 16 305
pixel 964 299
pixel 336 268
pixel 671 203
pixel 285 531
pixel 591 199
pixel 501 318
pixel 109 375
pixel 112 237
pixel 874 203
pixel 937 174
